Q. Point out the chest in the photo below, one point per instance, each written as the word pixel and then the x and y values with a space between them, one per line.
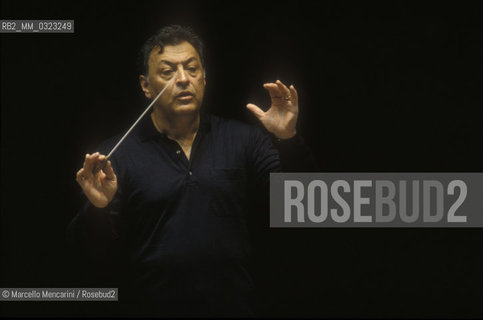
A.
pixel 163 171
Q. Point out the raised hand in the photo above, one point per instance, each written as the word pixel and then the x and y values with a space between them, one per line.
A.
pixel 99 187
pixel 281 118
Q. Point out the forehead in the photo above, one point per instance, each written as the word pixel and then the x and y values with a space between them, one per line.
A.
pixel 178 53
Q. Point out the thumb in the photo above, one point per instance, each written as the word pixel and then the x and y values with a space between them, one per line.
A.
pixel 255 110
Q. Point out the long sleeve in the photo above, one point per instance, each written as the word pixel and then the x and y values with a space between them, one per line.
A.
pixel 269 154
pixel 95 230
pixel 94 237
pixel 295 155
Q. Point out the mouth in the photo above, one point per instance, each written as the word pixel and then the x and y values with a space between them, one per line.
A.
pixel 185 96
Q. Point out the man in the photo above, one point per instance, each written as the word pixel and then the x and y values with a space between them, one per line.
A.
pixel 174 198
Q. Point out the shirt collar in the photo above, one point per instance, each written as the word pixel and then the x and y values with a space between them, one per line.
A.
pixel 148 131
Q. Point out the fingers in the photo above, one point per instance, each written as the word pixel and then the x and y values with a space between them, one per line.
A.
pixel 89 163
pixel 80 177
pixel 109 171
pixel 279 91
pixel 283 89
pixel 273 90
pixel 100 165
pixel 255 110
pixel 295 96
pixel 85 173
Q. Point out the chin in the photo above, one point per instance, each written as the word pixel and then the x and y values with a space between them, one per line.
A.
pixel 186 108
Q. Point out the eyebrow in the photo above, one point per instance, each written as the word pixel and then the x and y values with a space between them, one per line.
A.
pixel 172 64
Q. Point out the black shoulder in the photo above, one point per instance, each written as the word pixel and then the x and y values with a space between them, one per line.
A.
pixel 232 127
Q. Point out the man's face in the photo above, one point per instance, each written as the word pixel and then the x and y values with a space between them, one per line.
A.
pixel 182 62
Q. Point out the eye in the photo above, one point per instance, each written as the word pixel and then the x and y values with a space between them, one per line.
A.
pixel 166 72
pixel 191 69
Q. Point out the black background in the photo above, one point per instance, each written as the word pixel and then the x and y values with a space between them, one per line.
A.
pixel 383 86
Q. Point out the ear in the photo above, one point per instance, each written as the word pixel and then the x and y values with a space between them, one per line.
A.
pixel 143 81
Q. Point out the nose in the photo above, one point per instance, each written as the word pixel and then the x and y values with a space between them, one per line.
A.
pixel 182 79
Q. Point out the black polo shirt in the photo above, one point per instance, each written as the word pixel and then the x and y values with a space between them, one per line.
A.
pixel 181 225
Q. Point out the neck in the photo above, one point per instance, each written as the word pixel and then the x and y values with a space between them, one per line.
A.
pixel 177 127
